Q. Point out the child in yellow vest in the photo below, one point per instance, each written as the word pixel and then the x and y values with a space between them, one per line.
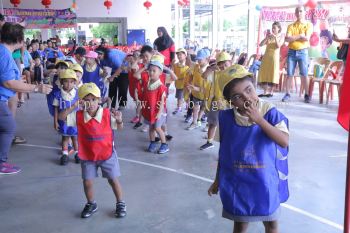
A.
pixel 214 100
pixel 181 71
pixel 197 86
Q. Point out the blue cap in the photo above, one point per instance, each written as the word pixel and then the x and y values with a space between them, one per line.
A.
pixel 156 63
pixel 202 54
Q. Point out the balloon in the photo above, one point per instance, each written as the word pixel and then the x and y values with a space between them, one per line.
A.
pixel 311 4
pixel 332 52
pixel 314 52
pixel 258 7
pixel 314 39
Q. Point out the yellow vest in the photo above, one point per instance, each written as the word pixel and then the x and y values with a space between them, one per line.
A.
pixel 198 81
pixel 298 28
pixel 214 98
pixel 181 73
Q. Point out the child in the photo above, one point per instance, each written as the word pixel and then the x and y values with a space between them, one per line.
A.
pixel 140 72
pixel 197 86
pixel 154 111
pixel 38 70
pixel 181 71
pixel 133 65
pixel 93 73
pixel 79 72
pixel 65 98
pixel 214 100
pixel 252 169
pixel 54 81
pixel 95 125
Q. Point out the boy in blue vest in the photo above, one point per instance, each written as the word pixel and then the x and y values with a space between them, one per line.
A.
pixel 252 173
pixel 96 146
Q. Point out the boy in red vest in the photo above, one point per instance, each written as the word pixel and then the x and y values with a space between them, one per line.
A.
pixel 154 109
pixel 96 146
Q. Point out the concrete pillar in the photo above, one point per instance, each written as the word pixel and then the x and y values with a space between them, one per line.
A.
pixel 192 20
pixel 215 23
pixel 181 23
pixel 251 29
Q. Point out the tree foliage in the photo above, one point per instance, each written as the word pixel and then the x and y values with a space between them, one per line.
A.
pixel 107 30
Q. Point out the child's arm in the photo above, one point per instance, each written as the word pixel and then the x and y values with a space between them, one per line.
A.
pixel 161 106
pixel 42 73
pixel 138 73
pixel 214 187
pixel 117 115
pixel 63 114
pixel 173 76
pixel 281 138
pixel 55 119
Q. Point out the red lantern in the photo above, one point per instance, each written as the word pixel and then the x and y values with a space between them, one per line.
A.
pixel 15 2
pixel 311 4
pixel 186 2
pixel 108 4
pixel 147 4
pixel 46 3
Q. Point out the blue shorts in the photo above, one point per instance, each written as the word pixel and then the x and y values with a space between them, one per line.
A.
pixel 297 56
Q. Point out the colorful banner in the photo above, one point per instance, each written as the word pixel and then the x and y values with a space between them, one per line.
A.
pixel 42 19
pixel 325 18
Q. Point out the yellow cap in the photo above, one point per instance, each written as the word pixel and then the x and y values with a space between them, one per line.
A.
pixel 68 73
pixel 181 50
pixel 61 61
pixel 76 67
pixel 89 88
pixel 223 56
pixel 158 57
pixel 233 72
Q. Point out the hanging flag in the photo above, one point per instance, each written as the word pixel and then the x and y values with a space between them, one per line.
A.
pixel 344 99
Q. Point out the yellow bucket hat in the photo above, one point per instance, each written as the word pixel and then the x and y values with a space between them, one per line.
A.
pixel 61 61
pixel 233 72
pixel 89 88
pixel 76 67
pixel 68 73
pixel 158 57
pixel 223 56
pixel 181 50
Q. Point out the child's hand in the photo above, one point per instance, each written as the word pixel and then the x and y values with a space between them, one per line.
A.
pixel 252 111
pixel 214 188
pixel 117 115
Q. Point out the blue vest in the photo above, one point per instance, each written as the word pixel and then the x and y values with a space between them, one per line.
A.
pixel 63 104
pixel 253 169
pixel 51 96
pixel 94 77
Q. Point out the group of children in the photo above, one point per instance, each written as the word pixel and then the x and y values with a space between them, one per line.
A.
pixel 250 130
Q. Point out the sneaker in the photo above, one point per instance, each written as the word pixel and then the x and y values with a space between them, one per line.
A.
pixel 199 123
pixel 157 139
pixel 8 169
pixel 89 209
pixel 168 137
pixel 307 99
pixel 188 119
pixel 207 146
pixel 192 126
pixel 177 111
pixel 204 119
pixel 138 124
pixel 76 158
pixel 286 97
pixel 135 120
pixel 64 160
pixel 145 129
pixel 120 210
pixel 164 148
pixel 152 147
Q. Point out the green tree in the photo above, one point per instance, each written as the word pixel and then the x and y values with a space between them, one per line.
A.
pixel 186 27
pixel 227 25
pixel 107 30
pixel 243 21
pixel 207 26
pixel 30 33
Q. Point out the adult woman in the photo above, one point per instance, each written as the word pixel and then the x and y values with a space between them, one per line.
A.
pixel 12 38
pixel 270 64
pixel 343 41
pixel 113 58
pixel 165 45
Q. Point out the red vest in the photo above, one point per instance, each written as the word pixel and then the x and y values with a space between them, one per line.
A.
pixel 151 102
pixel 95 139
